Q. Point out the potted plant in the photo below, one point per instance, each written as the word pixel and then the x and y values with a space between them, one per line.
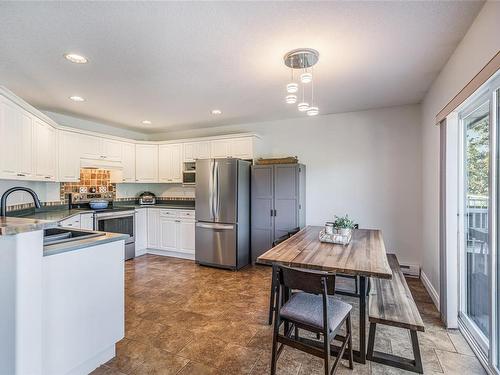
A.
pixel 344 224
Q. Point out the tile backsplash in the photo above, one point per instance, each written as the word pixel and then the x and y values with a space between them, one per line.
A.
pixel 91 180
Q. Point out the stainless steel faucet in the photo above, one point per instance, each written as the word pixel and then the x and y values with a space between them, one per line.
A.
pixel 3 202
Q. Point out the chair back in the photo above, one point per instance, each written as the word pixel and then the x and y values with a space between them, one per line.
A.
pixel 313 282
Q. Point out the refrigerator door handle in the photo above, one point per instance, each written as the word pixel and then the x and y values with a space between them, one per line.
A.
pixel 211 187
pixel 217 188
pixel 215 226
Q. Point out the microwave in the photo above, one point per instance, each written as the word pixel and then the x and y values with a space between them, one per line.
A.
pixel 189 177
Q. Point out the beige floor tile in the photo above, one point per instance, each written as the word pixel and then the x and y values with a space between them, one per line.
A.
pixel 454 363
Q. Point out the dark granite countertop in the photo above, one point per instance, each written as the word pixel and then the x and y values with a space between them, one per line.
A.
pixel 15 225
pixel 168 206
pixel 83 243
pixel 53 214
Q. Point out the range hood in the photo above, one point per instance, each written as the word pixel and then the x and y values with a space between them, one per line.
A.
pixel 101 164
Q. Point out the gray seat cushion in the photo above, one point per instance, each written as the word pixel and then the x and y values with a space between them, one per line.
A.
pixel 307 309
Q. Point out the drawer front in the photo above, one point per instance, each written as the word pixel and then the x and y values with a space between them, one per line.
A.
pixel 169 213
pixel 187 214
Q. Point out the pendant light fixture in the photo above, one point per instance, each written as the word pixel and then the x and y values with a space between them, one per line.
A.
pixel 312 110
pixel 302 60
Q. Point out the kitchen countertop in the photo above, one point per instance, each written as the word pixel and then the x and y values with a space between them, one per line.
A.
pixel 60 213
pixel 15 225
pixel 64 247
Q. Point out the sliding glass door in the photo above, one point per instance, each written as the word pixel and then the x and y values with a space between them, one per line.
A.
pixel 475 306
pixel 479 211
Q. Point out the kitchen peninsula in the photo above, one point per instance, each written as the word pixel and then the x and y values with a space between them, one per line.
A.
pixel 62 305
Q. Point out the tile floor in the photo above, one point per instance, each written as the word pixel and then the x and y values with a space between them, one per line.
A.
pixel 186 319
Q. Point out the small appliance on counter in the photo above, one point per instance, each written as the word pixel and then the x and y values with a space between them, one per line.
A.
pixel 147 198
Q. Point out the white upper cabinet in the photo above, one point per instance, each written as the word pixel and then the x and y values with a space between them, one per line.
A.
pixel 220 148
pixel 111 150
pixel 146 163
pixel 90 146
pixel 69 156
pixel 241 148
pixel 45 155
pixel 100 148
pixel 196 150
pixel 128 161
pixel 16 142
pixel 170 163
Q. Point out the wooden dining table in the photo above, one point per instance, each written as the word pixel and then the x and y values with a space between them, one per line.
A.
pixel 364 257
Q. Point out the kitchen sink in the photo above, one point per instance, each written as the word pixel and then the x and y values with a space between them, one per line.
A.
pixel 53 236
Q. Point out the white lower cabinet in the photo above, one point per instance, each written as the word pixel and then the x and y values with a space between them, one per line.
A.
pixel 71 222
pixel 141 231
pixel 153 228
pixel 172 231
pixel 87 221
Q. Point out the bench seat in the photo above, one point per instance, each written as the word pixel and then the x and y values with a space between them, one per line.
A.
pixel 391 303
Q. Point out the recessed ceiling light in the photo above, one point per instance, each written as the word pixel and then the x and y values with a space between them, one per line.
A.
pixel 146 122
pixel 76 98
pixel 216 112
pixel 75 58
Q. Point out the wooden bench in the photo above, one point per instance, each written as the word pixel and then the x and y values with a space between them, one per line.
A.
pixel 391 303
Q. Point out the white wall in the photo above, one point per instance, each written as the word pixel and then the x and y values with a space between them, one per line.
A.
pixel 366 164
pixel 160 190
pixel 46 191
pixel 478 46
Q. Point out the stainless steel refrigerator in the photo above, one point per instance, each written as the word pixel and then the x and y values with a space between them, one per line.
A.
pixel 222 213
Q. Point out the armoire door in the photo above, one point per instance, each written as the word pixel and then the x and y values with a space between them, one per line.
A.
pixel 286 199
pixel 262 220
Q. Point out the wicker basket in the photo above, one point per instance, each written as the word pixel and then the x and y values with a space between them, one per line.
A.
pixel 287 160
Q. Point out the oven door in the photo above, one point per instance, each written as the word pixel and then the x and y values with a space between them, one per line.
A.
pixel 119 222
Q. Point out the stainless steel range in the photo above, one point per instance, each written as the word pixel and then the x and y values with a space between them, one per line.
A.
pixel 115 219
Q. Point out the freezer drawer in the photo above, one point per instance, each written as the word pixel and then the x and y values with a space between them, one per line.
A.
pixel 216 244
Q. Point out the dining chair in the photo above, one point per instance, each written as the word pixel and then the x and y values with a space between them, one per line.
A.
pixel 274 289
pixel 313 309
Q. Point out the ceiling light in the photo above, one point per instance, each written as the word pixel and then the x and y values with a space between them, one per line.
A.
pixel 291 99
pixel 146 122
pixel 77 59
pixel 76 98
pixel 303 106
pixel 292 87
pixel 306 77
pixel 216 112
pixel 312 111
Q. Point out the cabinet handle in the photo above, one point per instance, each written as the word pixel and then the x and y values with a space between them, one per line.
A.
pixel 272 212
pixel 177 221
pixel 21 174
pixel 275 212
pixel 48 177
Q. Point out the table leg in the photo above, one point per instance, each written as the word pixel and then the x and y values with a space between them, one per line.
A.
pixel 362 319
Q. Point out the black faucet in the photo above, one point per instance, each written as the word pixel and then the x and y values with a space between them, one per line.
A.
pixel 3 202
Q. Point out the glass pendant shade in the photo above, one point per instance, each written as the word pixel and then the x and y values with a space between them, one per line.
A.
pixel 312 111
pixel 303 106
pixel 306 77
pixel 292 88
pixel 291 99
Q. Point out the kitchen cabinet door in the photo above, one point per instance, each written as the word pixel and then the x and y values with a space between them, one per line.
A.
pixel 69 157
pixel 10 138
pixel 242 148
pixel 45 151
pixel 153 228
pixel 169 163
pixel 196 150
pixel 146 163
pixel 141 231
pixel 25 149
pixel 87 221
pixel 128 161
pixel 169 233
pixel 90 146
pixel 111 150
pixel 72 222
pixel 220 148
pixel 186 235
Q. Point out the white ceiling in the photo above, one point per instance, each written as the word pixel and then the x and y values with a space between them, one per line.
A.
pixel 172 63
